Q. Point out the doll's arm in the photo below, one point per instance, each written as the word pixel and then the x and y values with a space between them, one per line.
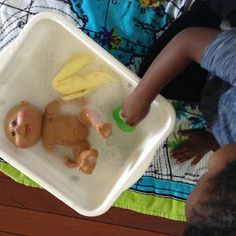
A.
pixel 54 107
pixel 90 116
pixel 49 148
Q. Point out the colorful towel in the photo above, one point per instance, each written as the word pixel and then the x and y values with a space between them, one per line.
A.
pixel 126 29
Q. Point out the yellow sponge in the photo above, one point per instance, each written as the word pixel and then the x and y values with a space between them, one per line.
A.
pixel 71 67
pixel 71 84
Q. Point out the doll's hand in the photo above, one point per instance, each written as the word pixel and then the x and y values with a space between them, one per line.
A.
pixel 134 109
pixel 198 144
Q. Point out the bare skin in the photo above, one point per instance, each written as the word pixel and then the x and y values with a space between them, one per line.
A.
pixel 185 47
pixel 25 125
pixel 199 143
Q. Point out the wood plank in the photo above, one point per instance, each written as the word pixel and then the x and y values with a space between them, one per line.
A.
pixel 10 234
pixel 22 221
pixel 16 195
pixel 2 175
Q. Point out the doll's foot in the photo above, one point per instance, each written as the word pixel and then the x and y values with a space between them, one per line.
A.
pixel 86 161
pixel 104 129
pixel 70 163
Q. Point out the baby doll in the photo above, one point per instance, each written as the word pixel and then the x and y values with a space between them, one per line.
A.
pixel 25 124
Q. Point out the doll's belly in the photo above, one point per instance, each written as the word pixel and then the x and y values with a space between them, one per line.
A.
pixel 63 130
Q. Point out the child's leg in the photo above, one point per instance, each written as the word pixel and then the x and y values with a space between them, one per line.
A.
pixel 180 87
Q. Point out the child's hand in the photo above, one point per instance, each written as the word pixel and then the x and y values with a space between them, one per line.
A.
pixel 198 144
pixel 134 109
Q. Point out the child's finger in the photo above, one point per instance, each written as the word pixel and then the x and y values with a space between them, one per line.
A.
pixel 187 154
pixel 182 148
pixel 183 132
pixel 197 159
pixel 130 123
pixel 181 155
pixel 186 133
pixel 123 114
pixel 179 161
pixel 189 132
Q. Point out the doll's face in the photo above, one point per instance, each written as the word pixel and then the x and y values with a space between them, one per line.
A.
pixel 23 125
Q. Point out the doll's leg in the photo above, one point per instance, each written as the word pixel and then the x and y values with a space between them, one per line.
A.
pixel 85 157
pixel 86 161
pixel 54 106
pixel 89 116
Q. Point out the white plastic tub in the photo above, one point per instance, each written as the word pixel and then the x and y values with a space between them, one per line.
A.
pixel 27 67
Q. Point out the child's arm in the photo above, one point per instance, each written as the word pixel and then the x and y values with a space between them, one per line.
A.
pixel 185 47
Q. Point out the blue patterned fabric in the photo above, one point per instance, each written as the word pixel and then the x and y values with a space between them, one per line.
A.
pixel 125 28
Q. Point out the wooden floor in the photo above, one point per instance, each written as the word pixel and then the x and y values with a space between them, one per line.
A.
pixel 31 211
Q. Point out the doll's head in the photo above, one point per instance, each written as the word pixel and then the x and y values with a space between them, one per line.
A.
pixel 23 125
